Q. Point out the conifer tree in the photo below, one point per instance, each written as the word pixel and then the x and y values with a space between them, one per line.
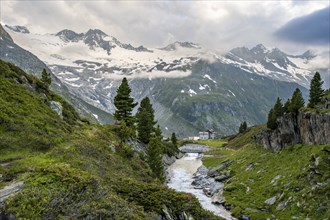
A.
pixel 174 140
pixel 286 107
pixel 46 78
pixel 297 101
pixel 124 104
pixel 278 108
pixel 145 120
pixel 242 127
pixel 316 92
pixel 158 133
pixel 124 132
pixel 271 122
pixel 154 157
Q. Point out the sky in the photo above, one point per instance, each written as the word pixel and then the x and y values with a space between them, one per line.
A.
pixel 293 26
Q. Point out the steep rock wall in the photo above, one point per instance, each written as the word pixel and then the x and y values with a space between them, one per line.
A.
pixel 303 128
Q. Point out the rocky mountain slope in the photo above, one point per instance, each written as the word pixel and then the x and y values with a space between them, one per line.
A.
pixel 11 52
pixel 191 88
pixel 56 166
pixel 310 128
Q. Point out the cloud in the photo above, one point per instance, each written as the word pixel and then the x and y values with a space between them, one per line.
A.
pixel 219 25
pixel 310 29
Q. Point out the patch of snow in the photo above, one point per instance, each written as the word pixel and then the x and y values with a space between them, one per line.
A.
pixel 192 92
pixel 231 92
pixel 64 73
pixel 96 116
pixel 10 47
pixel 209 78
pixel 74 85
pixel 182 91
pixel 72 79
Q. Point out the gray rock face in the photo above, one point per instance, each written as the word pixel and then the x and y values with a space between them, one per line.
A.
pixel 10 190
pixel 57 107
pixel 304 128
pixel 168 160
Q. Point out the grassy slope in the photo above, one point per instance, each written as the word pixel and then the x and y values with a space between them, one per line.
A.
pixel 72 169
pixel 291 175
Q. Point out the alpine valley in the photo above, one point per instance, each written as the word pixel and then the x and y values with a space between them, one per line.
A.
pixel 191 88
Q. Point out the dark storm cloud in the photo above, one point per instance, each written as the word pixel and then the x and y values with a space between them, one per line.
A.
pixel 311 29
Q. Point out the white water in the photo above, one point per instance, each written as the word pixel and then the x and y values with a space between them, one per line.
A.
pixel 181 176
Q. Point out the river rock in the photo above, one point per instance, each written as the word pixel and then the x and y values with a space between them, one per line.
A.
pixel 201 182
pixel 201 171
pixel 223 177
pixel 168 160
pixel 218 199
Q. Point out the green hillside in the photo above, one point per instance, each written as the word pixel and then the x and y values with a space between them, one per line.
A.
pixel 72 169
pixel 296 179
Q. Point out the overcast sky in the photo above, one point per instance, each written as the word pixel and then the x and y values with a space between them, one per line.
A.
pixel 293 26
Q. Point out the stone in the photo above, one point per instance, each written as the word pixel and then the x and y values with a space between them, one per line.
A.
pixel 216 171
pixel 202 170
pixel 57 107
pixel 309 128
pixel 271 200
pixel 275 178
pixel 245 217
pixel 10 190
pixel 168 160
pixel 218 199
pixel 222 178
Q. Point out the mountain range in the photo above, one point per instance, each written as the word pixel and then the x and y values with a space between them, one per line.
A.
pixel 191 88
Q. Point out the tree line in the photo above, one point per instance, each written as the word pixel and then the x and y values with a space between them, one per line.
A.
pixel 142 126
pixel 296 102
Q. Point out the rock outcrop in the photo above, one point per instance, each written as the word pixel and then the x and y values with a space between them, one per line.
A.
pixel 309 128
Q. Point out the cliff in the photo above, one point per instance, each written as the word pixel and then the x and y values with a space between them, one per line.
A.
pixel 309 128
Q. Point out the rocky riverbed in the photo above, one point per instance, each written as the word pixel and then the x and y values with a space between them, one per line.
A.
pixel 188 174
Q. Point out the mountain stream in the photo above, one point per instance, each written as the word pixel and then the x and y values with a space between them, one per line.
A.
pixel 180 175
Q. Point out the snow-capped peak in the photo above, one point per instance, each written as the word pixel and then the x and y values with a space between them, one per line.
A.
pixel 95 32
pixel 260 48
pixel 178 44
pixel 68 35
pixel 19 29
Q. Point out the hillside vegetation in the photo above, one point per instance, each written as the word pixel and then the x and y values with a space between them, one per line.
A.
pixel 72 169
pixel 293 183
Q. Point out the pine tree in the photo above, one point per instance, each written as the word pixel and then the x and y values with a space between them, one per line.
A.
pixel 46 78
pixel 242 127
pixel 154 157
pixel 145 120
pixel 286 107
pixel 278 108
pixel 271 122
pixel 297 101
pixel 174 140
pixel 124 104
pixel 158 133
pixel 124 132
pixel 316 92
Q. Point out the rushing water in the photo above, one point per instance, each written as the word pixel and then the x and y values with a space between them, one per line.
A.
pixel 181 176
